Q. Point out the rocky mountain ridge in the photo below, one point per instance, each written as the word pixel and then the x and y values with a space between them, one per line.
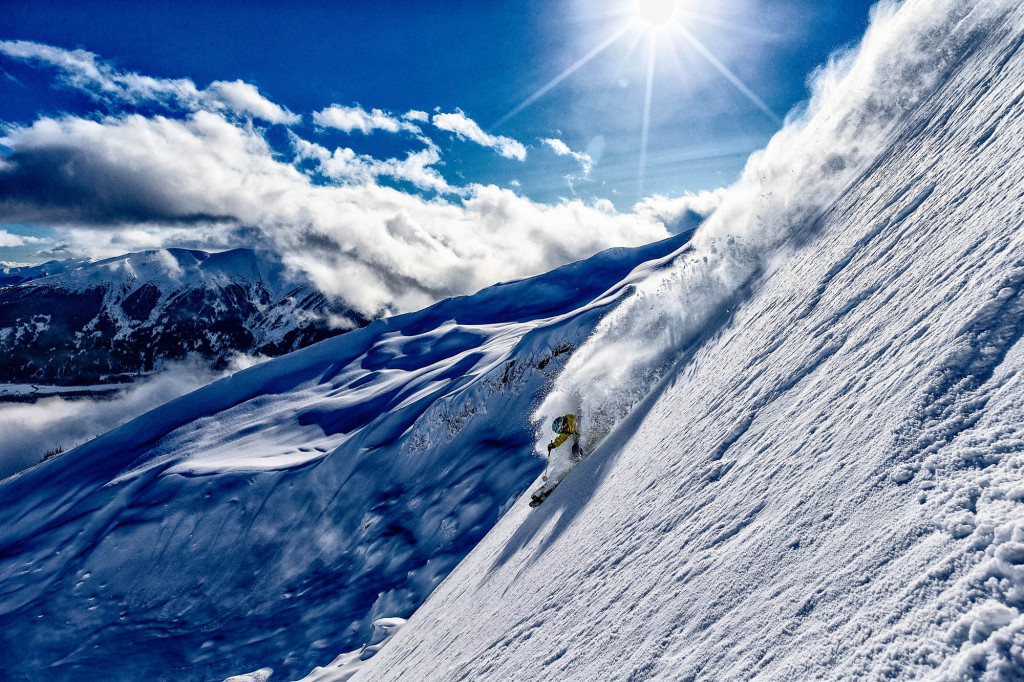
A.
pixel 73 323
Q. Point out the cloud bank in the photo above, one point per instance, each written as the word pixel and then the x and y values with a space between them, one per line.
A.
pixel 8 239
pixel 384 235
pixel 29 430
pixel 206 180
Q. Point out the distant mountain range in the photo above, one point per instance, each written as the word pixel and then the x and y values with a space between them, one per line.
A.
pixel 78 322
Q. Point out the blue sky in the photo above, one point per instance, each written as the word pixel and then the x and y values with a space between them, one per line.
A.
pixel 724 75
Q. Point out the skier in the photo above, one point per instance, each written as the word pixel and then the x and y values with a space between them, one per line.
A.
pixel 565 426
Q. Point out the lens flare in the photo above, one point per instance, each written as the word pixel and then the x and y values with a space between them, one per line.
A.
pixel 655 13
pixel 656 24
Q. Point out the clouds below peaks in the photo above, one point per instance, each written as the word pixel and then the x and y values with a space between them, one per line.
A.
pixel 28 430
pixel 207 181
pixel 384 235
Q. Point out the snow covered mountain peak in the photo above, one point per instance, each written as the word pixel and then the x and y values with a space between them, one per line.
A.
pixel 173 268
pixel 81 323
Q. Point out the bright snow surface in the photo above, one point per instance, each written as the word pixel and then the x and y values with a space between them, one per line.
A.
pixel 811 469
pixel 267 520
pixel 825 479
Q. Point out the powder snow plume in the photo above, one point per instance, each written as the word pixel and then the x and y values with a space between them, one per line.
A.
pixel 860 101
pixel 819 475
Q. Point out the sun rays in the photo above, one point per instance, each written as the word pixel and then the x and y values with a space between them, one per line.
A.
pixel 576 66
pixel 729 75
pixel 652 52
pixel 658 22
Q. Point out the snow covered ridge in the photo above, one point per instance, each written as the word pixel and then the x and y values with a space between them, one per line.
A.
pixel 18 274
pixel 345 666
pixel 74 323
pixel 268 519
pixel 820 470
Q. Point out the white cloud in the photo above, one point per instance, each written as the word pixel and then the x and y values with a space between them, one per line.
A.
pixel 98 79
pixel 209 182
pixel 243 98
pixel 349 119
pixel 28 430
pixel 415 115
pixel 133 169
pixel 7 239
pixel 682 213
pixel 468 129
pixel 562 149
pixel 349 167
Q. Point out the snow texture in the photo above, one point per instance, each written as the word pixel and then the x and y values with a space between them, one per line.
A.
pixel 805 428
pixel 812 454
pixel 266 520
pixel 345 666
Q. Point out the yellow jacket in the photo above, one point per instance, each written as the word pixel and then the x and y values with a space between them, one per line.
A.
pixel 564 435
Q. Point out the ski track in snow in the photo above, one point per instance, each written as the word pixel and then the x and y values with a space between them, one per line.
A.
pixel 828 482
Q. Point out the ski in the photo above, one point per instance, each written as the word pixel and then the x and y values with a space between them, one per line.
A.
pixel 538 497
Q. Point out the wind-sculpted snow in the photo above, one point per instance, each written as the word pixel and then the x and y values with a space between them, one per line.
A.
pixel 266 520
pixel 818 474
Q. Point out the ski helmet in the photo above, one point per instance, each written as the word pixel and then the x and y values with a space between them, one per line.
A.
pixel 556 425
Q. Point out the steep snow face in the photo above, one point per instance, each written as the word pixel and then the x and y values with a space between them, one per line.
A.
pixel 79 323
pixel 822 472
pixel 267 520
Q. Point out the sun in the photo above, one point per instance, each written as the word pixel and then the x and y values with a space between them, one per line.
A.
pixel 655 13
pixel 661 25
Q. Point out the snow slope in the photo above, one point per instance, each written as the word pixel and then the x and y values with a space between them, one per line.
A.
pixel 814 466
pixel 266 520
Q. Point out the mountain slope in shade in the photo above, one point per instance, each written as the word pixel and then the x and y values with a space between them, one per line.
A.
pixel 77 324
pixel 824 480
pixel 268 519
